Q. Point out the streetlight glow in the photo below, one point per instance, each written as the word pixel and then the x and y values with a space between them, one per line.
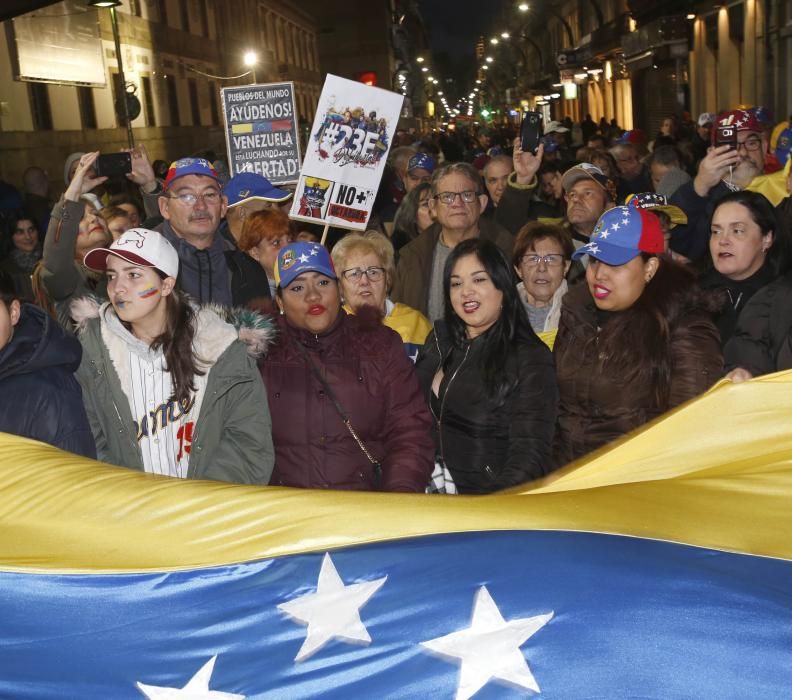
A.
pixel 250 58
pixel 523 7
pixel 505 35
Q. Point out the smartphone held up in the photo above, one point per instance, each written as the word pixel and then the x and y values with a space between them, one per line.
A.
pixel 113 165
pixel 531 131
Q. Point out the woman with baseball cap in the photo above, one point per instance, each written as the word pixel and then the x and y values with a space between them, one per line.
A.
pixel 634 341
pixel 170 388
pixel 346 406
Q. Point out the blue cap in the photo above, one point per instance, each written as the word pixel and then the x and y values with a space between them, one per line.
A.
pixel 550 144
pixel 189 166
pixel 423 161
pixel 245 186
pixel 623 233
pixel 299 257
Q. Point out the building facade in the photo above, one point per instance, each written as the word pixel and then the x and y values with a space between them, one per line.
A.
pixel 177 54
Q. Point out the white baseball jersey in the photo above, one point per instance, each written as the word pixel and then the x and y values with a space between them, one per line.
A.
pixel 164 427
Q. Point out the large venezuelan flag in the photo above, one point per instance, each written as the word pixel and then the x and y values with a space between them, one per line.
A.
pixel 660 568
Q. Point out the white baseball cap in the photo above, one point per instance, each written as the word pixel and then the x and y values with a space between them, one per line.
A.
pixel 706 118
pixel 140 246
pixel 555 127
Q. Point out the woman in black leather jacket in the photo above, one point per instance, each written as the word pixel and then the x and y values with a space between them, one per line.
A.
pixel 487 377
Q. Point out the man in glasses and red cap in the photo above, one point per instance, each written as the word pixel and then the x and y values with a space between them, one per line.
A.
pixel 192 203
pixel 724 169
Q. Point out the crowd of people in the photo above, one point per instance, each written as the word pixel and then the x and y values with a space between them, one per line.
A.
pixel 506 313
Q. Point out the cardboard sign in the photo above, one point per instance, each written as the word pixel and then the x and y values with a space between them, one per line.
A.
pixel 261 131
pixel 346 154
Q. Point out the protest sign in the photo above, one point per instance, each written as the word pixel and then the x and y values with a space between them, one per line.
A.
pixel 261 131
pixel 346 154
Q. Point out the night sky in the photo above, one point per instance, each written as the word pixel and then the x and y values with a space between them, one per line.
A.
pixel 455 26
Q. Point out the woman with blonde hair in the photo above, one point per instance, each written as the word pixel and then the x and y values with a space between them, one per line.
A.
pixel 365 265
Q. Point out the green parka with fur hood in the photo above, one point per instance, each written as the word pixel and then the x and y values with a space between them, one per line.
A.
pixel 232 439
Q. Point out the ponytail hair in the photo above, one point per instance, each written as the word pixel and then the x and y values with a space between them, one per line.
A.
pixel 176 342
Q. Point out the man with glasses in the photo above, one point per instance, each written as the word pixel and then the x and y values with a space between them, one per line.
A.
pixel 723 170
pixel 191 201
pixel 456 204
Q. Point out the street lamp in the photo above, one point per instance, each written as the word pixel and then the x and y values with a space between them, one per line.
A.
pixel 111 5
pixel 251 59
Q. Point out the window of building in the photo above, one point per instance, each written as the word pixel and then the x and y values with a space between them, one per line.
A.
pixel 192 86
pixel 173 101
pixel 134 7
pixel 148 100
pixel 204 17
pixel 40 106
pixel 213 98
pixel 162 10
pixel 711 31
pixel 184 13
pixel 85 99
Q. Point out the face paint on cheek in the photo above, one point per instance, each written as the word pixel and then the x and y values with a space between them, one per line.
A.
pixel 148 293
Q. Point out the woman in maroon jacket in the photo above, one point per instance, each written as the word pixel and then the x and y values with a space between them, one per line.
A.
pixel 327 366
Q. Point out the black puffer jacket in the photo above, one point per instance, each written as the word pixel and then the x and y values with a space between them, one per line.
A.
pixel 490 443
pixel 762 341
pixel 39 395
pixel 734 295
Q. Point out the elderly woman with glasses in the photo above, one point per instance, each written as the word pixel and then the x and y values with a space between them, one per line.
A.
pixel 365 266
pixel 542 257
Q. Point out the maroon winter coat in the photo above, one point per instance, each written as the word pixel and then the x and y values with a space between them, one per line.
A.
pixel 374 381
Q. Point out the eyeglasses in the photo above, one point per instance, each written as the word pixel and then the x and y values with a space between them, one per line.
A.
pixel 551 260
pixel 355 274
pixel 447 198
pixel 190 198
pixel 752 143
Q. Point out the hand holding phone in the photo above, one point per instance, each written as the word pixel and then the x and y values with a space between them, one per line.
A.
pixel 531 131
pixel 725 136
pixel 113 165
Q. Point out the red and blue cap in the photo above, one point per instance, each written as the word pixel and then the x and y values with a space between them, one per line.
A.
pixel 299 257
pixel 190 166
pixel 251 186
pixel 623 233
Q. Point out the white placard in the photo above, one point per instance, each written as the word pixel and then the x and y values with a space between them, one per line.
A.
pixel 346 154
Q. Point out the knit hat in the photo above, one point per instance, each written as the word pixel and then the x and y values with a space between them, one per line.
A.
pixel 68 164
pixel 623 233
pixel 299 257
pixel 141 247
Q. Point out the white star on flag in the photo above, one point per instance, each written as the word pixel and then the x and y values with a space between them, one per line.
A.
pixel 333 611
pixel 196 689
pixel 304 258
pixel 593 248
pixel 314 251
pixel 615 225
pixel 490 647
pixel 604 234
